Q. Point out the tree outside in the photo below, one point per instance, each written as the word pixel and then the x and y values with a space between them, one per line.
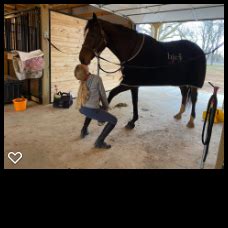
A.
pixel 207 34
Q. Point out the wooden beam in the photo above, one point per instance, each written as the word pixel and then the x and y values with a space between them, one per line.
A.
pixel 26 6
pixel 10 6
pixel 16 7
pixel 65 6
pixel 23 5
pixel 45 48
pixel 155 29
pixel 90 14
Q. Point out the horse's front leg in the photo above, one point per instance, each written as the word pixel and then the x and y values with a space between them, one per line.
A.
pixel 116 91
pixel 134 94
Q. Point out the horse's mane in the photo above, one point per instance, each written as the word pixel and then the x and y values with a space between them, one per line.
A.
pixel 106 23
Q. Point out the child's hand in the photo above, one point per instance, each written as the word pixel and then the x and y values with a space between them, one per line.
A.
pixel 108 108
pixel 105 108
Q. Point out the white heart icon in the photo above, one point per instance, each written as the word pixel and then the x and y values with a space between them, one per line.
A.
pixel 15 157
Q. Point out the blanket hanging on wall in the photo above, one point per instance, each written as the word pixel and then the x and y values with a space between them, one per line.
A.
pixel 28 65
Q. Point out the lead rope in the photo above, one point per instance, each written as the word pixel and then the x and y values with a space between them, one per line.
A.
pixel 210 116
pixel 133 66
pixel 120 64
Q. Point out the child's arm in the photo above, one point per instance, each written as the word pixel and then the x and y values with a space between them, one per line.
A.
pixel 103 94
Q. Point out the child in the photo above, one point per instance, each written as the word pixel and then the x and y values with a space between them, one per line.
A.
pixel 91 92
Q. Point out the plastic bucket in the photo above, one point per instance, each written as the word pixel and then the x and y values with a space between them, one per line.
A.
pixel 20 104
pixel 219 116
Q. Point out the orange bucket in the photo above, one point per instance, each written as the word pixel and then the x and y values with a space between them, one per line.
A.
pixel 20 104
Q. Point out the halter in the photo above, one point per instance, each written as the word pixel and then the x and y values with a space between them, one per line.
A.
pixel 139 50
pixel 103 41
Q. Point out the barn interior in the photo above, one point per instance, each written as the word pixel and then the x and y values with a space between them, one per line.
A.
pixel 49 138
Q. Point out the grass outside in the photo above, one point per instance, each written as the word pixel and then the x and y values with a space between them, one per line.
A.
pixel 215 75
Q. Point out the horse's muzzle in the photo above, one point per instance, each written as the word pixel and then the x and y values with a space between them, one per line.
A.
pixel 85 57
pixel 84 61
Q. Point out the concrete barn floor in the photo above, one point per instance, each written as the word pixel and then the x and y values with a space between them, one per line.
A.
pixel 49 138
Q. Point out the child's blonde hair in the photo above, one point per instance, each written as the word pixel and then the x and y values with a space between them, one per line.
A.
pixel 83 92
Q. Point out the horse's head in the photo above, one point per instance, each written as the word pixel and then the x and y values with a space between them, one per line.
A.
pixel 95 41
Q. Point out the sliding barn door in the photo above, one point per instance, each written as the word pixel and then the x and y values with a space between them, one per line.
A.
pixel 67 34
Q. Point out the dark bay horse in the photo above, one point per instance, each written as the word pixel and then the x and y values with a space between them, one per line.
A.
pixel 147 62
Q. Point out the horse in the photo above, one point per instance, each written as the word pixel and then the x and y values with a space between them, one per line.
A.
pixel 147 62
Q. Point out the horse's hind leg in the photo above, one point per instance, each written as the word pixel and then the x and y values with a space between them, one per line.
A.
pixel 194 95
pixel 134 93
pixel 184 93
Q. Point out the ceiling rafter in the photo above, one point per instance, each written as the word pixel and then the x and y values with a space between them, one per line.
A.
pixel 152 13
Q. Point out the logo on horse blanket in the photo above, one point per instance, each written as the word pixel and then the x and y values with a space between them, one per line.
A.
pixel 173 58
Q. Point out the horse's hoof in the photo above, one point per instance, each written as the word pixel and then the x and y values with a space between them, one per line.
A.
pixel 178 116
pixel 130 126
pixel 190 124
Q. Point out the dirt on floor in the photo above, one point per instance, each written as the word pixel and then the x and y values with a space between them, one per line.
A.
pixel 49 138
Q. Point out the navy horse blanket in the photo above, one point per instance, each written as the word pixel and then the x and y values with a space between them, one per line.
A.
pixel 176 63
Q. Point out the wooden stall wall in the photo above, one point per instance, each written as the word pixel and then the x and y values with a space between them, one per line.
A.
pixel 67 33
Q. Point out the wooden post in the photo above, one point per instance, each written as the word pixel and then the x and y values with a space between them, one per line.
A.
pixel 45 49
pixel 155 28
pixel 220 158
pixel 5 64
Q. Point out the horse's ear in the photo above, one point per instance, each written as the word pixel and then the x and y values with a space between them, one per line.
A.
pixel 94 17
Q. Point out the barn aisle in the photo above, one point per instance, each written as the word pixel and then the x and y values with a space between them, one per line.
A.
pixel 49 138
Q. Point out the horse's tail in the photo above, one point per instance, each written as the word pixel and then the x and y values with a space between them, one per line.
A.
pixel 189 94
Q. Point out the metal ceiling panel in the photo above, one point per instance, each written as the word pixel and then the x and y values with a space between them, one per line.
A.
pixel 152 13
